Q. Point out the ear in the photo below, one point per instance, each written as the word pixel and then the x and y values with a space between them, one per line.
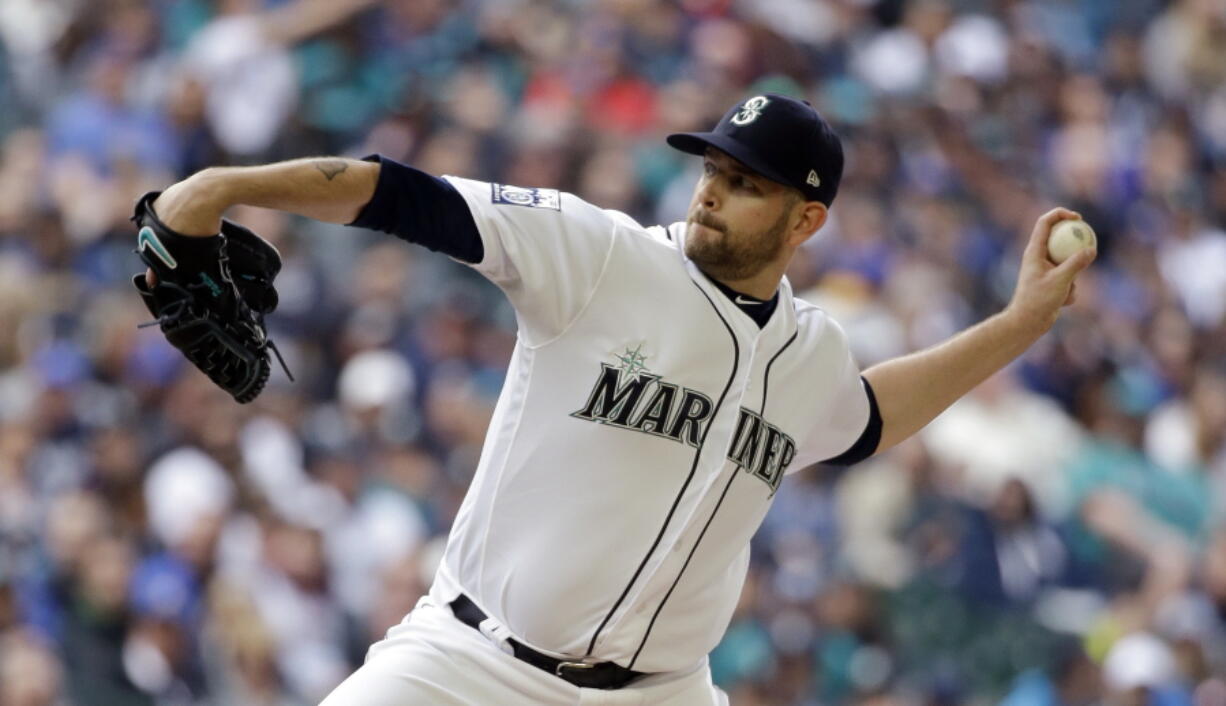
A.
pixel 809 217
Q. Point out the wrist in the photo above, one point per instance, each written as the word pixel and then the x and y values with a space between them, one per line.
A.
pixel 211 190
pixel 193 207
pixel 1025 324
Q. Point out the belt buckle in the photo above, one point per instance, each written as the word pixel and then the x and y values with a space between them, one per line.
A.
pixel 571 665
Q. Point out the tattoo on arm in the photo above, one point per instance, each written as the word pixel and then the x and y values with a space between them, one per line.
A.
pixel 331 167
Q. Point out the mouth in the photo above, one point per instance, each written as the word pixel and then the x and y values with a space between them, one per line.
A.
pixel 707 222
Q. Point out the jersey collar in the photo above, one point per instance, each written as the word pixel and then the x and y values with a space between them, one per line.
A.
pixel 781 322
pixel 760 310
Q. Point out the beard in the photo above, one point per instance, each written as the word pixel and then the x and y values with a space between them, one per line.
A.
pixel 729 254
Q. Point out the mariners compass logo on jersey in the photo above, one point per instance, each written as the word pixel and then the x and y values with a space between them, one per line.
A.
pixel 628 395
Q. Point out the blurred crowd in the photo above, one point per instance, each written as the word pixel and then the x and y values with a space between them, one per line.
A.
pixel 1056 538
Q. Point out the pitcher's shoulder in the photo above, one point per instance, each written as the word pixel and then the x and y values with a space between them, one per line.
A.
pixel 815 324
pixel 668 237
pixel 655 238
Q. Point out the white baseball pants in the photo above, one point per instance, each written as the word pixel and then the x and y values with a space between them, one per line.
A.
pixel 433 658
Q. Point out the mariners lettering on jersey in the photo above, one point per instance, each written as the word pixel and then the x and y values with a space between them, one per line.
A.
pixel 628 396
pixel 521 196
pixel 761 448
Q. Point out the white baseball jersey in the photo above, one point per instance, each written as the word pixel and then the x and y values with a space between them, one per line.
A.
pixel 643 429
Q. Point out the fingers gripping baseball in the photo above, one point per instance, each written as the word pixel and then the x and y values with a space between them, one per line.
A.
pixel 1036 246
pixel 1044 287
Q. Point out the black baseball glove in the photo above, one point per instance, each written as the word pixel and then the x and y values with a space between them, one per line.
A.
pixel 210 296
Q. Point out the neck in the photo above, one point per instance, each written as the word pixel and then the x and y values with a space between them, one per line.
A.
pixel 761 285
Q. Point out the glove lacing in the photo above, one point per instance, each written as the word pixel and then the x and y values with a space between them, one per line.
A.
pixel 174 310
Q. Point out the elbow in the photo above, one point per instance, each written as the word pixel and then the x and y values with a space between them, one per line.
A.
pixel 367 182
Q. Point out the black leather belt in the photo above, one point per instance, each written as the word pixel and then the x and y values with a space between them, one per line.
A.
pixel 602 675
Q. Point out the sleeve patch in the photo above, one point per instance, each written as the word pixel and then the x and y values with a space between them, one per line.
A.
pixel 521 196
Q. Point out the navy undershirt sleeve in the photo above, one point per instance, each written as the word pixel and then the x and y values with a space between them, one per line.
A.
pixel 423 209
pixel 867 444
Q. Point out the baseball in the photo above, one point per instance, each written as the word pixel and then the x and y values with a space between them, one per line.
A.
pixel 1067 237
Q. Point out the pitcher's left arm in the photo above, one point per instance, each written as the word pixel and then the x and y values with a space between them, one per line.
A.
pixel 913 389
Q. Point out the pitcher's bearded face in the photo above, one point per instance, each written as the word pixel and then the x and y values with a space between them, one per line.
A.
pixel 729 254
pixel 737 221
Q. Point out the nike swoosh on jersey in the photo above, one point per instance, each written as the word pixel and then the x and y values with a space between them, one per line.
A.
pixel 743 300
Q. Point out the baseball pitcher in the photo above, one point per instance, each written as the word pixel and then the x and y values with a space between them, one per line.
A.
pixel 664 381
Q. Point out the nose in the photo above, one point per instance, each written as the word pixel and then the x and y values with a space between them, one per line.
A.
pixel 708 195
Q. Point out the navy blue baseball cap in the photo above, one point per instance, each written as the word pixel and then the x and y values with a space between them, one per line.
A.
pixel 781 138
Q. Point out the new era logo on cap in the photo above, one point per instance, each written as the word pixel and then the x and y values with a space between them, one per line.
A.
pixel 813 179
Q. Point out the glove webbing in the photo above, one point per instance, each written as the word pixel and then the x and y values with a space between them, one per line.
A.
pixel 174 310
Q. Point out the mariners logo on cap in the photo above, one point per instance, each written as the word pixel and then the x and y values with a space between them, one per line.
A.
pixel 750 111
